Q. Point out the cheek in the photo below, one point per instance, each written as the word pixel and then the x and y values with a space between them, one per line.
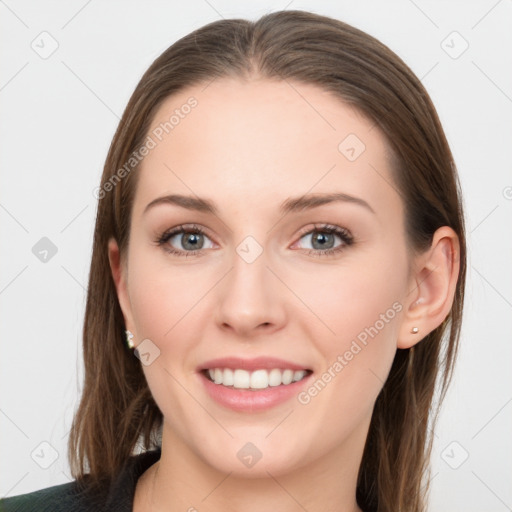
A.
pixel 342 301
pixel 360 310
pixel 356 364
pixel 162 297
pixel 164 302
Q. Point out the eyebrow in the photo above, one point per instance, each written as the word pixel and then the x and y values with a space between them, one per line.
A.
pixel 293 204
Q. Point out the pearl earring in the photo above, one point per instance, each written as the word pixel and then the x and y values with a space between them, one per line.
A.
pixel 415 330
pixel 129 340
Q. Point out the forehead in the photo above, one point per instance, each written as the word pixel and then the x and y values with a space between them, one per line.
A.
pixel 261 141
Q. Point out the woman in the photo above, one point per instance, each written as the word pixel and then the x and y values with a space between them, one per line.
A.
pixel 277 281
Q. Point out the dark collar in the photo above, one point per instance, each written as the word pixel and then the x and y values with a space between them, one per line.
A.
pixel 122 490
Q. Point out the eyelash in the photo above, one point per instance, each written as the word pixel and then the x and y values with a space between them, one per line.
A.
pixel 343 233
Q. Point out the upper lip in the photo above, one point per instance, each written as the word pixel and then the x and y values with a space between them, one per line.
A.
pixel 257 363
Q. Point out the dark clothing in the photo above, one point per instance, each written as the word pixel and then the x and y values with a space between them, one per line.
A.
pixel 67 497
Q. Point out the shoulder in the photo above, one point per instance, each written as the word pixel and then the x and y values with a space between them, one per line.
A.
pixel 63 497
pixel 72 496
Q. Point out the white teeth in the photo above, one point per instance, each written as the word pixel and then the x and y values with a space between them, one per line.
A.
pixel 241 379
pixel 287 376
pixel 298 375
pixel 258 379
pixel 228 377
pixel 274 378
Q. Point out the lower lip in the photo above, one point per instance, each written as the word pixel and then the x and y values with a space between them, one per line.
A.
pixel 248 400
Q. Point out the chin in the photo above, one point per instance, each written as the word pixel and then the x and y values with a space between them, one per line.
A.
pixel 255 457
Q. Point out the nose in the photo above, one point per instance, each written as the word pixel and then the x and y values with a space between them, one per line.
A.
pixel 250 298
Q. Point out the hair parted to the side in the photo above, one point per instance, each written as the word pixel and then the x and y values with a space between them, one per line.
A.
pixel 117 411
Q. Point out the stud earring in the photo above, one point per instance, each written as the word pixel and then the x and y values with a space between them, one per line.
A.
pixel 129 340
pixel 415 330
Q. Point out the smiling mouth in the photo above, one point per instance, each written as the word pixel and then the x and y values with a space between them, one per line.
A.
pixel 255 380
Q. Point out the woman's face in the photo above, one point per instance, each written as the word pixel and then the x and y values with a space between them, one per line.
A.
pixel 258 284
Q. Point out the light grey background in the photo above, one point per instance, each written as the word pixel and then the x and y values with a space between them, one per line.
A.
pixel 58 117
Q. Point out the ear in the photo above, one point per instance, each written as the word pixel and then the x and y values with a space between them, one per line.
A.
pixel 120 273
pixel 432 286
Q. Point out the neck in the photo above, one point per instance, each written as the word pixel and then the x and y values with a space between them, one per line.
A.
pixel 181 481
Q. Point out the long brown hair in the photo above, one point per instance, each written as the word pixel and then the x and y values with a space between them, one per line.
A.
pixel 117 412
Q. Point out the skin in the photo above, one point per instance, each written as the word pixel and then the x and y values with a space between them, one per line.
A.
pixel 248 146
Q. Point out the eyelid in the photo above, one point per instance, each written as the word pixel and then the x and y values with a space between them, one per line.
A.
pixel 341 232
pixel 319 226
pixel 183 228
